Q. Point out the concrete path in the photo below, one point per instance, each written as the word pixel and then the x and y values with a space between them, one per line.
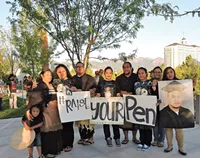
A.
pixel 99 149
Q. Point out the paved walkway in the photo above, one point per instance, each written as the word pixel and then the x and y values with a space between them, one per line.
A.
pixel 99 149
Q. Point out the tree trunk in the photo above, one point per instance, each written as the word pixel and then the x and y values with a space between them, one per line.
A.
pixel 87 56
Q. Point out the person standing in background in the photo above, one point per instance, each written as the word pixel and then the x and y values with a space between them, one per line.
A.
pixel 107 88
pixel 126 82
pixel 84 82
pixel 12 91
pixel 158 130
pixel 1 93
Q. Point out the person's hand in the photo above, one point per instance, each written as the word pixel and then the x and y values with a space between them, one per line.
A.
pixel 29 116
pixel 74 89
pixel 157 104
pixel 92 92
pixel 118 95
pixel 78 90
pixel 34 83
pixel 31 128
pixel 123 92
pixel 154 88
pixel 27 127
pixel 98 95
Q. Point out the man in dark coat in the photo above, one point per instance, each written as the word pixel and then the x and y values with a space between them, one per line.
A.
pixel 174 115
pixel 84 82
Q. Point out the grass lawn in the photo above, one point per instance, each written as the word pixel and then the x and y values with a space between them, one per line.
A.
pixel 12 113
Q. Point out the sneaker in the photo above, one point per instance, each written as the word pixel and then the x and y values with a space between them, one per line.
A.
pixel 145 148
pixel 139 147
pixel 118 143
pixel 109 142
pixel 50 156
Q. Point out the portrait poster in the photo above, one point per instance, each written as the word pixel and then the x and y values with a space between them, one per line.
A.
pixel 108 110
pixel 74 107
pixel 177 103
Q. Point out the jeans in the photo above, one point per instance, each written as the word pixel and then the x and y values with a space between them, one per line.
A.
pixel 159 133
pixel 146 136
pixel 36 142
pixel 116 132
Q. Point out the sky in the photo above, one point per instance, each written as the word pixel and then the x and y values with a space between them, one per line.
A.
pixel 156 34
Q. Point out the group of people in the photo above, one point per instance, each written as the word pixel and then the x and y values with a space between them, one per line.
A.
pixel 52 136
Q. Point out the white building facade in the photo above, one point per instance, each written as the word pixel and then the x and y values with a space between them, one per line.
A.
pixel 176 53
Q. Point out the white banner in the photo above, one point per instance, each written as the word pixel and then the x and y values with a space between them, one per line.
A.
pixel 107 110
pixel 75 107
pixel 140 109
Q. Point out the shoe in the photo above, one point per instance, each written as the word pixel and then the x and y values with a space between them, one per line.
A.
pixel 50 156
pixel 139 147
pixel 145 147
pixel 109 142
pixel 155 143
pixel 167 150
pixel 125 141
pixel 160 144
pixel 182 152
pixel 117 141
pixel 68 149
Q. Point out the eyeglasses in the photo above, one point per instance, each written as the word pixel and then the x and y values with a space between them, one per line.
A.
pixel 157 72
pixel 79 66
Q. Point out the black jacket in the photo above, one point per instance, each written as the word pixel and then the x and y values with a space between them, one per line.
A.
pixel 169 119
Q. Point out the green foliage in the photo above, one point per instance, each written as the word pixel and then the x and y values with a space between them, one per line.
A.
pixel 27 39
pixel 89 71
pixel 4 65
pixel 83 26
pixel 189 70
pixel 12 113
pixel 8 52
pixel 73 72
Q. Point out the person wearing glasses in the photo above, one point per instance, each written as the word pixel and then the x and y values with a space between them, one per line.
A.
pixel 158 131
pixel 84 82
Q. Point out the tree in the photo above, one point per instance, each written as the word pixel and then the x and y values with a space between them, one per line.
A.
pixel 4 65
pixel 10 53
pixel 32 46
pixel 189 70
pixel 83 26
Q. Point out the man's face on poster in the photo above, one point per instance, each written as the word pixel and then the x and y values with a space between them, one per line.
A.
pixel 175 99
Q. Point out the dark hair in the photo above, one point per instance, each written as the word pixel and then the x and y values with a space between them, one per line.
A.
pixel 79 62
pixel 127 62
pixel 43 71
pixel 141 68
pixel 108 67
pixel 157 67
pixel 11 75
pixel 66 69
pixel 39 106
pixel 165 73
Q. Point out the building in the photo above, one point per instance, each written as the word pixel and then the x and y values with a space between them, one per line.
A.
pixel 176 53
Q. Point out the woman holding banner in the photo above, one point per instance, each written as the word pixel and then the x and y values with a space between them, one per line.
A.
pixel 108 88
pixel 64 82
pixel 169 74
pixel 143 87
